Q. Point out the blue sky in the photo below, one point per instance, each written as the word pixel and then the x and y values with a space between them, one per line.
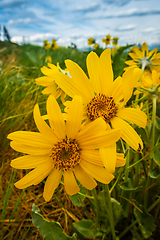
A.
pixel 133 21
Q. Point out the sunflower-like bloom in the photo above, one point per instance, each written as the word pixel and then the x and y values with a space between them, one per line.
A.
pixel 91 41
pixel 54 44
pixel 144 59
pixel 48 59
pixel 150 84
pixel 49 83
pixel 107 40
pixel 64 149
pixel 102 97
pixel 96 46
pixel 115 41
pixel 47 45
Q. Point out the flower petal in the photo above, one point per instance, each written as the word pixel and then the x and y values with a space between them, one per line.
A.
pixel 80 79
pixel 106 72
pixel 128 133
pixel 19 147
pixel 33 139
pixel 45 81
pixel 92 156
pixel 43 127
pixel 29 161
pixel 87 181
pixel 93 65
pixel 100 140
pixel 108 156
pixel 74 117
pixel 51 184
pixel 70 183
pixel 35 176
pixel 120 160
pixel 55 117
pixel 97 172
pixel 133 115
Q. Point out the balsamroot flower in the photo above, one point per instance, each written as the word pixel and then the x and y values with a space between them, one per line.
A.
pixel 47 45
pixel 49 83
pixel 91 41
pixel 103 97
pixel 64 149
pixel 144 59
pixel 54 44
pixel 107 40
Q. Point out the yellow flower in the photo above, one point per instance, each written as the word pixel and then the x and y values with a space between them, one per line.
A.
pixel 115 41
pixel 96 46
pixel 91 41
pixel 48 59
pixel 47 45
pixel 49 83
pixel 102 97
pixel 63 149
pixel 144 59
pixel 54 44
pixel 150 84
pixel 107 40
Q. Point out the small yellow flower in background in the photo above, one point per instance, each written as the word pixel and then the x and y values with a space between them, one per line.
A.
pixel 54 44
pixel 91 41
pixel 115 41
pixel 107 40
pixel 144 59
pixel 47 45
pixel 63 149
pixel 96 46
pixel 150 84
pixel 48 59
pixel 49 83
pixel 114 49
pixel 102 97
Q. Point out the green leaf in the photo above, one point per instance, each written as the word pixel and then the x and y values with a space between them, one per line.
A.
pixel 86 228
pixel 117 210
pixel 145 220
pixel 157 122
pixel 156 157
pixel 49 230
pixel 155 172
pixel 77 199
pixel 128 185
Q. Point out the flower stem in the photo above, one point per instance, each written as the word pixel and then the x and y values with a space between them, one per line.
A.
pixel 110 211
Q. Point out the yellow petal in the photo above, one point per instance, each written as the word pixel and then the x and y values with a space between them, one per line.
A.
pixel 120 160
pixel 92 128
pixel 87 181
pixel 74 117
pixel 92 156
pixel 128 133
pixel 145 49
pixel 51 184
pixel 55 117
pixel 35 176
pixel 51 90
pixel 19 147
pixel 80 79
pixel 117 92
pixel 108 156
pixel 97 172
pixel 45 81
pixel 29 161
pixel 106 72
pixel 33 139
pixel 70 183
pixel 42 126
pixel 93 65
pixel 133 115
pixel 101 140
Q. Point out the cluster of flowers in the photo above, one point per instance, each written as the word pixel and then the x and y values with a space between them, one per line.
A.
pixel 107 41
pixel 81 144
pixel 47 45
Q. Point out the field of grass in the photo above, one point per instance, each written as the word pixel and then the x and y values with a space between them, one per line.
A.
pixel 19 67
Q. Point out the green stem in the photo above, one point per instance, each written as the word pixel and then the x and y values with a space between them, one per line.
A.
pixel 94 194
pixel 154 102
pixel 110 211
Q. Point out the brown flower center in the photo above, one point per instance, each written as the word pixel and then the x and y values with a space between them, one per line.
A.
pixel 101 106
pixel 66 154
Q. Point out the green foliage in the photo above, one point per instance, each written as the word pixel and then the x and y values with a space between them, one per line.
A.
pixel 49 230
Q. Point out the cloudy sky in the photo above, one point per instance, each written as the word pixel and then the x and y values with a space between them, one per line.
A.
pixel 133 21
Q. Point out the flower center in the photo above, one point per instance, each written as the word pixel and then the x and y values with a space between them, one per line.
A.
pixel 145 62
pixel 66 154
pixel 101 106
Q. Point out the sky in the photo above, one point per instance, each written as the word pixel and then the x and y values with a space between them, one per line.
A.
pixel 74 21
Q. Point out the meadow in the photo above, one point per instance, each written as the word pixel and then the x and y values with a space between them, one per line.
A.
pixel 126 208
